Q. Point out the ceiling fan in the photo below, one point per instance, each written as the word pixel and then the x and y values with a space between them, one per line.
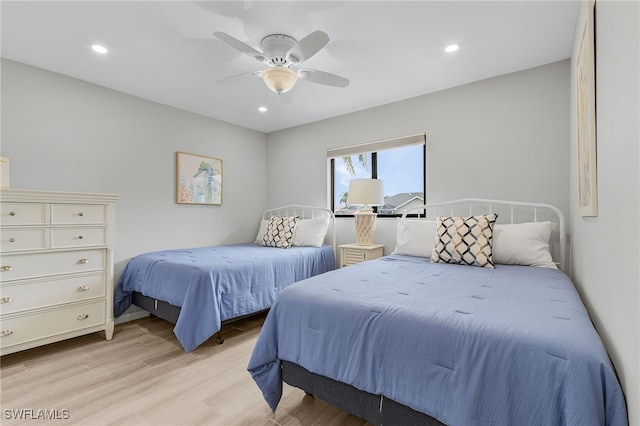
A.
pixel 283 54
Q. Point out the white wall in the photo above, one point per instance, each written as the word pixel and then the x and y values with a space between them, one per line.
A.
pixel 65 134
pixel 504 138
pixel 606 249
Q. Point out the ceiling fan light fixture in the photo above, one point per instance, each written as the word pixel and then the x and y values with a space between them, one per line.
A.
pixel 279 79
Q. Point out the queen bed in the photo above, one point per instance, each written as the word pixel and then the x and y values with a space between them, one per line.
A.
pixel 421 337
pixel 199 289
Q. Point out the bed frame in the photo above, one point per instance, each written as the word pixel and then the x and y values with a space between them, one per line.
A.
pixel 168 312
pixel 376 408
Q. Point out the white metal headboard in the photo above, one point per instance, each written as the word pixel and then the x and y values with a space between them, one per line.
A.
pixel 307 212
pixel 508 212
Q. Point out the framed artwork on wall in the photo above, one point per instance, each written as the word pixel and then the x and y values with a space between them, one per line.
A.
pixel 198 179
pixel 586 120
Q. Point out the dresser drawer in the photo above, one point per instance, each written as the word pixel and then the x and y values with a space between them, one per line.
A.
pixel 78 214
pixel 23 214
pixel 34 294
pixel 24 239
pixel 19 329
pixel 33 265
pixel 78 237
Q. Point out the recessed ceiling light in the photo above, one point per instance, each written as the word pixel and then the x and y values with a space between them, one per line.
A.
pixel 99 49
pixel 451 48
pixel 263 109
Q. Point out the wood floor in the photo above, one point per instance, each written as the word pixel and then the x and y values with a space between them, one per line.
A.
pixel 144 377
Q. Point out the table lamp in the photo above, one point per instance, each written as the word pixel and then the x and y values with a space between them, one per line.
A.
pixel 367 193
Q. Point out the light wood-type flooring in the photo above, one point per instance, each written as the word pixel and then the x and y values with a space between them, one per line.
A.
pixel 144 377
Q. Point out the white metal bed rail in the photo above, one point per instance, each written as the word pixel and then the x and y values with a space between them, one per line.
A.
pixel 516 212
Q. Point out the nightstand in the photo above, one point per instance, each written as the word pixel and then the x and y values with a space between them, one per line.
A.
pixel 350 254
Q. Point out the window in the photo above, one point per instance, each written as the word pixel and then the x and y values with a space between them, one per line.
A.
pixel 399 163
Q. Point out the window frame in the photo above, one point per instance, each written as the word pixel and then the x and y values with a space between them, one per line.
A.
pixel 374 173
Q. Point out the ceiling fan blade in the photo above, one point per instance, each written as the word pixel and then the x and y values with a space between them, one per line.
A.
pixel 322 77
pixel 307 47
pixel 235 77
pixel 240 46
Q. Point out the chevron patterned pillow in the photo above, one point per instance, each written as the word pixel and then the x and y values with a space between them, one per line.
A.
pixel 279 232
pixel 465 240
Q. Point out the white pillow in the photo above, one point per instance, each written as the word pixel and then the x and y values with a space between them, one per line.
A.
pixel 311 232
pixel 261 231
pixel 415 237
pixel 523 244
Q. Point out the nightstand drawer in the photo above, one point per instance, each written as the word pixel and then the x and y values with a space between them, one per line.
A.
pixel 78 237
pixel 353 256
pixel 78 214
pixel 32 326
pixel 32 265
pixel 24 239
pixel 23 214
pixel 41 293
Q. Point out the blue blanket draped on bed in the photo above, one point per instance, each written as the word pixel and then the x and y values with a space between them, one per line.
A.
pixel 212 284
pixel 466 345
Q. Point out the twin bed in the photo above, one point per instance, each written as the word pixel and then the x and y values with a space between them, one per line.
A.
pixel 199 289
pixel 422 338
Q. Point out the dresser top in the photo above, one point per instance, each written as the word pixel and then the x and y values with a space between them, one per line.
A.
pixel 41 196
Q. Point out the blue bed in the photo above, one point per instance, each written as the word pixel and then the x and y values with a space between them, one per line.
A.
pixel 203 287
pixel 463 345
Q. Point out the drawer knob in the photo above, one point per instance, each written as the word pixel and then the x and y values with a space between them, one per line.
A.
pixel 83 261
pixel 82 317
pixel 80 214
pixel 4 333
pixel 6 300
pixel 6 268
pixel 80 237
pixel 12 240
pixel 83 288
pixel 12 213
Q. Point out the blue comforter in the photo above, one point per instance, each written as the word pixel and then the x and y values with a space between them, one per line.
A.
pixel 212 284
pixel 466 345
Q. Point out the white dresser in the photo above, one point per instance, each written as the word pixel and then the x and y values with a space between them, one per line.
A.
pixel 56 266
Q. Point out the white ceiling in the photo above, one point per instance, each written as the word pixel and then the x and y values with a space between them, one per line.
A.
pixel 165 51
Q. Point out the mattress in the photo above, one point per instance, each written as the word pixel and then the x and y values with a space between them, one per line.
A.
pixel 213 284
pixel 465 345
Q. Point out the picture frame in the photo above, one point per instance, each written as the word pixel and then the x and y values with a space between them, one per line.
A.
pixel 586 118
pixel 198 179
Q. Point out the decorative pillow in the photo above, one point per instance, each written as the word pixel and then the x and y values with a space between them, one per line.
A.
pixel 523 244
pixel 279 232
pixel 311 232
pixel 465 240
pixel 415 237
pixel 261 231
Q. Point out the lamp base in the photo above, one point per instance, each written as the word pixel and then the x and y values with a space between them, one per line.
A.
pixel 365 227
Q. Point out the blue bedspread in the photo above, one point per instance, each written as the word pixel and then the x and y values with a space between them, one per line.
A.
pixel 212 284
pixel 466 345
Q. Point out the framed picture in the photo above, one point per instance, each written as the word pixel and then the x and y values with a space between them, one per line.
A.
pixel 586 120
pixel 198 179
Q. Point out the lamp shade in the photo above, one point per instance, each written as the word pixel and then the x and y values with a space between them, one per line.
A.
pixel 367 192
pixel 279 79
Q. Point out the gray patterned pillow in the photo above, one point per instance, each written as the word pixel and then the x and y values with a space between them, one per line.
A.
pixel 279 232
pixel 465 240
